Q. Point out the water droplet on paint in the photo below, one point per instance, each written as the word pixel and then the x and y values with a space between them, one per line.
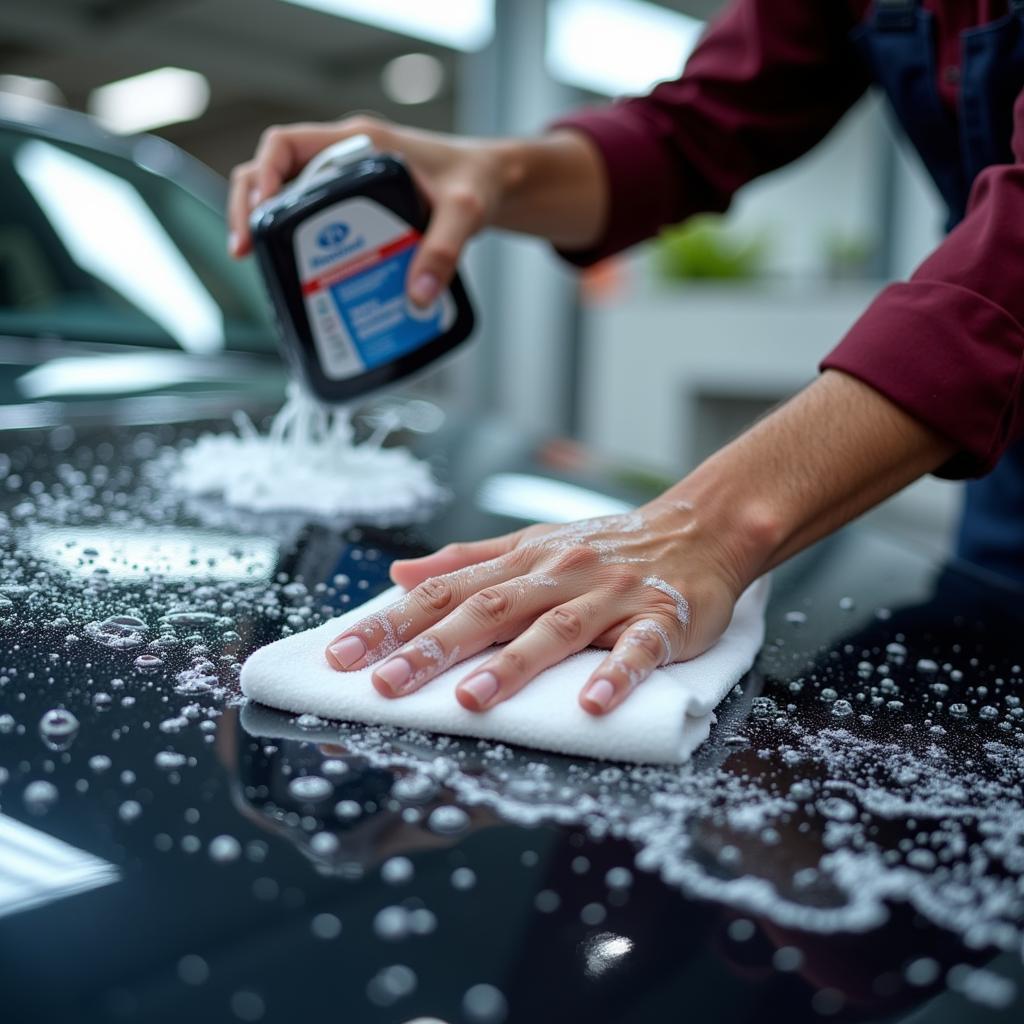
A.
pixel 310 788
pixel 485 1004
pixel 39 796
pixel 448 820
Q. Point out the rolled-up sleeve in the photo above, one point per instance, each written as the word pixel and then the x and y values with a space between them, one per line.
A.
pixel 765 84
pixel 947 346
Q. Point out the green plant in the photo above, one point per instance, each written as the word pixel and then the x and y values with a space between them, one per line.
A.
pixel 703 247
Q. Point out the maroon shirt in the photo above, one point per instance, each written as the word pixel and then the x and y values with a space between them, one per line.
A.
pixel 766 83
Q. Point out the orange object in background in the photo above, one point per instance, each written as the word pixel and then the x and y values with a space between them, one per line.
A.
pixel 603 281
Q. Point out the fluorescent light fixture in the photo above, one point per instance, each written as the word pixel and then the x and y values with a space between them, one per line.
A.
pixel 150 100
pixel 460 24
pixel 110 232
pixel 617 47
pixel 175 554
pixel 413 78
pixel 36 868
pixel 539 499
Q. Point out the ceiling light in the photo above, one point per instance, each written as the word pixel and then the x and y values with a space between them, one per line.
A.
pixel 460 24
pixel 414 78
pixel 150 100
pixel 616 47
pixel 29 88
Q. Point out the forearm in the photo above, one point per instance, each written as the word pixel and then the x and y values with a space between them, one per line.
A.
pixel 830 453
pixel 554 187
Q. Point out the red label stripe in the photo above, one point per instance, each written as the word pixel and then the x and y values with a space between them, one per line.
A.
pixel 359 263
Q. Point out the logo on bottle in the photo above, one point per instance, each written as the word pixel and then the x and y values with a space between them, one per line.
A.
pixel 335 241
pixel 332 236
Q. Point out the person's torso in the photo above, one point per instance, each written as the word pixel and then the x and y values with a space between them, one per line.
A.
pixel 952 70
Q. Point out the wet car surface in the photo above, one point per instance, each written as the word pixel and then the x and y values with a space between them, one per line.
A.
pixel 848 845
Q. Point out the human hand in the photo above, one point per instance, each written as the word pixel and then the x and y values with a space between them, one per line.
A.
pixel 462 179
pixel 653 586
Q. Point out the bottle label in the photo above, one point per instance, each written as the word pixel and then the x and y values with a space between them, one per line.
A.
pixel 353 258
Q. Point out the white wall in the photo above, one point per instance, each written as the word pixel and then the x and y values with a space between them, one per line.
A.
pixel 668 369
pixel 834 188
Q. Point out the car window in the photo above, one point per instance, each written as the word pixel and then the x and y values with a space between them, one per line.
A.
pixel 94 247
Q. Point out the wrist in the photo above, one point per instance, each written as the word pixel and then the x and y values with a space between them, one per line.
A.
pixel 551 186
pixel 740 524
pixel 509 164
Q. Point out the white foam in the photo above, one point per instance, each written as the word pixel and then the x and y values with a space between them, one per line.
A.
pixel 307 462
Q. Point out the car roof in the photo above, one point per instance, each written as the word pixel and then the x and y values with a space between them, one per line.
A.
pixel 156 155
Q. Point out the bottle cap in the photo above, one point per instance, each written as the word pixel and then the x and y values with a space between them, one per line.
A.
pixel 337 156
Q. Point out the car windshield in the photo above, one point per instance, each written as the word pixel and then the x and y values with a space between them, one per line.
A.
pixel 95 248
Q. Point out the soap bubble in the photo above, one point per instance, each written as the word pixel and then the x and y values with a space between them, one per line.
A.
pixel 618 878
pixel 193 970
pixel 485 1004
pixel 39 796
pixel 324 844
pixel 247 1006
pixel 421 921
pixel 189 617
pixel 414 788
pixel 58 726
pixel 391 924
pixel 129 810
pixel 396 870
pixel 326 926
pixel 547 901
pixel 168 760
pixel 463 878
pixel 310 788
pixel 448 820
pixel 346 810
pixel 390 984
pixel 120 632
pixel 224 849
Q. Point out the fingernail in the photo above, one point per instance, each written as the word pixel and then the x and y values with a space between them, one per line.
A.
pixel 394 673
pixel 481 687
pixel 233 242
pixel 254 197
pixel 424 288
pixel 348 650
pixel 600 692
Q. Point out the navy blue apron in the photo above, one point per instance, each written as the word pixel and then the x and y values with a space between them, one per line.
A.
pixel 898 42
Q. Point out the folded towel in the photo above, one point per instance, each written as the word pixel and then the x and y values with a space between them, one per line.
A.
pixel 662 722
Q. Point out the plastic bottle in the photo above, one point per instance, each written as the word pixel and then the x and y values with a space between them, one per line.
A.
pixel 334 249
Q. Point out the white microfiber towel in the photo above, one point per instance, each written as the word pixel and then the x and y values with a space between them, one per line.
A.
pixel 662 722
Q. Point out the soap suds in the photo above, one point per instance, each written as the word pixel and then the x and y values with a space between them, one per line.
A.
pixel 587 534
pixel 307 462
pixel 640 631
pixel 682 605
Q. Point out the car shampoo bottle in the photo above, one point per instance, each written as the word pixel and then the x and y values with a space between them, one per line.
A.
pixel 334 248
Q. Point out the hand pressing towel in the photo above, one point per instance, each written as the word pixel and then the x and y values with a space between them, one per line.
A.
pixel 662 722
